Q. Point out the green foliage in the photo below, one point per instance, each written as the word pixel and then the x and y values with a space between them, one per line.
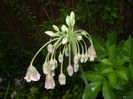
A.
pixel 112 70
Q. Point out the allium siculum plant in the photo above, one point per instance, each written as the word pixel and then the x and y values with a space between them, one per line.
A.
pixel 71 45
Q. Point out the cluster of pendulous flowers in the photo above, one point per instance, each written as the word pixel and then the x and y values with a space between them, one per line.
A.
pixel 71 44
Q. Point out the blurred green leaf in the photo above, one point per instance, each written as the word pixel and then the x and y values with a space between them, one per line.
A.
pixel 113 79
pixel 112 52
pixel 95 87
pixel 130 69
pixel 107 70
pixel 122 74
pixel 107 91
pixel 105 62
pixel 92 76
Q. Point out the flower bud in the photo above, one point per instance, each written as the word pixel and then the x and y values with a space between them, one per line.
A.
pixel 66 51
pixel 60 58
pixel 76 59
pixel 50 33
pixel 86 58
pixel 64 28
pixel 62 79
pixel 52 65
pixel 72 15
pixel 49 82
pixel 79 37
pixel 68 20
pixel 72 18
pixel 76 67
pixel 91 53
pixel 70 70
pixel 65 40
pixel 50 48
pixel 55 28
pixel 82 59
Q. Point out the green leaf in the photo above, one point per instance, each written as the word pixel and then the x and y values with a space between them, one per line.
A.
pixel 130 69
pixel 111 39
pixel 95 87
pixel 131 50
pixel 86 94
pixel 112 52
pixel 99 46
pixel 127 48
pixel 107 70
pixel 107 91
pixel 105 62
pixel 122 74
pixel 92 76
pixel 113 79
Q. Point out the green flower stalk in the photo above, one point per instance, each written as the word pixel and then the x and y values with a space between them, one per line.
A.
pixel 64 42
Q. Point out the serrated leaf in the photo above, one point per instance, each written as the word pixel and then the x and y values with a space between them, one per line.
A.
pixel 107 70
pixel 113 79
pixel 95 87
pixel 107 91
pixel 122 74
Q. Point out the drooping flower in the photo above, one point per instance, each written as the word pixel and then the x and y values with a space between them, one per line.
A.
pixel 76 67
pixel 76 59
pixel 50 48
pixel 52 65
pixel 46 69
pixel 49 82
pixel 66 51
pixel 91 53
pixel 82 58
pixel 62 79
pixel 32 74
pixel 56 63
pixel 60 58
pixel 86 57
pixel 70 70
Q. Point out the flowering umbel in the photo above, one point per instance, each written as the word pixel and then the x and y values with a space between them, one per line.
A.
pixel 65 42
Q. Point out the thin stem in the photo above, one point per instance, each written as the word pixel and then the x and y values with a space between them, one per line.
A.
pixel 78 47
pixel 69 54
pixel 82 48
pixel 31 63
pixel 55 47
pixel 86 82
pixel 85 45
pixel 63 59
